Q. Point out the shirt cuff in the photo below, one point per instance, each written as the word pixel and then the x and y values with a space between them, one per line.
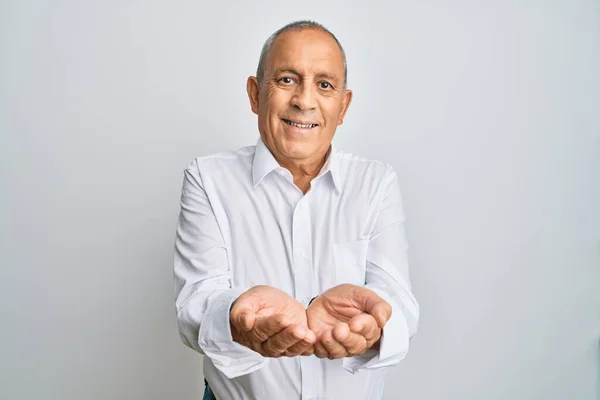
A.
pixel 393 345
pixel 215 340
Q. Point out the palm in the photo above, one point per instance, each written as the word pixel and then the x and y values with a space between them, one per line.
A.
pixel 271 301
pixel 325 313
pixel 331 308
pixel 339 302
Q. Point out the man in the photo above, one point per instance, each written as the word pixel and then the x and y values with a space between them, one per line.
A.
pixel 290 260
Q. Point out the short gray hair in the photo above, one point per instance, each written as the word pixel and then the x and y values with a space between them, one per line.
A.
pixel 295 26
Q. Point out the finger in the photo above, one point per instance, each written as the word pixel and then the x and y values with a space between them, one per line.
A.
pixel 242 322
pixel 309 352
pixel 340 331
pixel 243 315
pixel 320 350
pixel 382 312
pixel 304 347
pixel 304 350
pixel 334 349
pixel 366 326
pixel 373 304
pixel 266 327
pixel 353 343
pixel 247 320
pixel 277 344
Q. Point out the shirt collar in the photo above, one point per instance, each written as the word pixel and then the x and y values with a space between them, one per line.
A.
pixel 264 163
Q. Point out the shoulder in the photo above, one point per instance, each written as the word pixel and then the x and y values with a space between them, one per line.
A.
pixel 357 168
pixel 234 160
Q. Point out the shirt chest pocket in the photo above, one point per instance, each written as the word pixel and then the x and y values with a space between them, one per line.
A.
pixel 350 259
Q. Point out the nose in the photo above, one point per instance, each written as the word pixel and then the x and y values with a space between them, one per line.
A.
pixel 304 97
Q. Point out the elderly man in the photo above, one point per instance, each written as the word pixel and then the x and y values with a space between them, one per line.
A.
pixel 291 269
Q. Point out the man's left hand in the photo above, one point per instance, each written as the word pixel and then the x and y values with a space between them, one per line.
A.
pixel 347 320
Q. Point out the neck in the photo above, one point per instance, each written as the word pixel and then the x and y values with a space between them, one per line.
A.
pixel 303 171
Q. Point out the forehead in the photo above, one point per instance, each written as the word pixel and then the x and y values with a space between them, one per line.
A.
pixel 307 50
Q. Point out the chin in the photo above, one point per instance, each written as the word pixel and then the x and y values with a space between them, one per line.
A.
pixel 298 150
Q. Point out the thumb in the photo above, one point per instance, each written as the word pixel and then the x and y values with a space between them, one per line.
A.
pixel 374 305
pixel 381 311
pixel 243 315
pixel 246 320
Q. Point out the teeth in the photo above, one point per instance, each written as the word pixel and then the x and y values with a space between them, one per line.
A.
pixel 303 126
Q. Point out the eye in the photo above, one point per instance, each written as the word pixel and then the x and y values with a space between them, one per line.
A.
pixel 286 80
pixel 325 85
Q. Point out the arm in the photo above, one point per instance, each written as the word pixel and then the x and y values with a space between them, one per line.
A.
pixel 203 284
pixel 387 275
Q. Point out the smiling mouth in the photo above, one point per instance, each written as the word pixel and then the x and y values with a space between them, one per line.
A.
pixel 303 126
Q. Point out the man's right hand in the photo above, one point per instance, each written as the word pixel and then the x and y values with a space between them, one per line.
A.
pixel 270 322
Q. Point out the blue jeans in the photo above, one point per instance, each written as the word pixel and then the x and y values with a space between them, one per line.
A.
pixel 208 393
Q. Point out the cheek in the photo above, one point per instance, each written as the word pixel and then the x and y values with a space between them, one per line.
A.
pixel 331 113
pixel 269 93
pixel 276 99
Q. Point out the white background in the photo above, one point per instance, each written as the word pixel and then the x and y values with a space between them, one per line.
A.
pixel 488 110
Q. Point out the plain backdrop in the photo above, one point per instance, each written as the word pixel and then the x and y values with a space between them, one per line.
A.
pixel 488 110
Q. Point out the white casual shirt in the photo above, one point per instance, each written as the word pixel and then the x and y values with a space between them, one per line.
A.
pixel 243 223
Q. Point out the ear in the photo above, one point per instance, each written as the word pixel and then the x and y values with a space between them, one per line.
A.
pixel 252 89
pixel 345 104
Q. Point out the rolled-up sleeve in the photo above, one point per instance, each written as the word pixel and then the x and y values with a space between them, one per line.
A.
pixel 387 275
pixel 203 288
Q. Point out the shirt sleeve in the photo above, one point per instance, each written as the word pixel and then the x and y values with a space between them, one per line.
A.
pixel 387 275
pixel 203 289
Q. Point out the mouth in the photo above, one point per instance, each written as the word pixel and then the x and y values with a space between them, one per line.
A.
pixel 299 125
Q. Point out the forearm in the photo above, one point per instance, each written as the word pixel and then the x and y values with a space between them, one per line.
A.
pixel 387 274
pixel 203 283
pixel 199 310
pixel 393 344
pixel 204 326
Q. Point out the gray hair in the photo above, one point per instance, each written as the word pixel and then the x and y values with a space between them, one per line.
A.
pixel 295 26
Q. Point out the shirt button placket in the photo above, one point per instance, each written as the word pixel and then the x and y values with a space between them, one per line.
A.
pixel 301 242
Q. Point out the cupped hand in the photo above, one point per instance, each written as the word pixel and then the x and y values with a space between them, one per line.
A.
pixel 347 320
pixel 272 323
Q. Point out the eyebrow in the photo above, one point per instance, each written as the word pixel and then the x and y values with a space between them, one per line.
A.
pixel 318 75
